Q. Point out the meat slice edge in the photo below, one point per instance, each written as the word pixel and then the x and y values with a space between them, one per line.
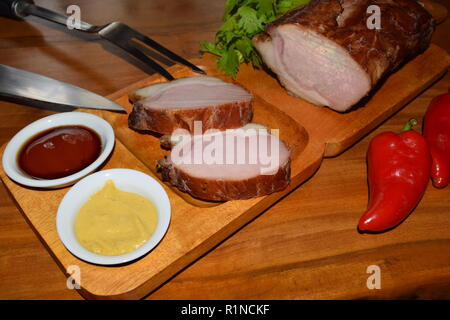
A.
pixel 144 92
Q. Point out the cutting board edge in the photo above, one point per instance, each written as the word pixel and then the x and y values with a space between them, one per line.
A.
pixel 314 151
pixel 335 148
pixel 146 288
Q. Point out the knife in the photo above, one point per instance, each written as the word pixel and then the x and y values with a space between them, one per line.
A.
pixel 31 87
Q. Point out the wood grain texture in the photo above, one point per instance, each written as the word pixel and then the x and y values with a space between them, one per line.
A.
pixel 305 246
pixel 194 228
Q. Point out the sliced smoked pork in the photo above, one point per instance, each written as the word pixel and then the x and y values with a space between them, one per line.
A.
pixel 327 53
pixel 228 165
pixel 166 106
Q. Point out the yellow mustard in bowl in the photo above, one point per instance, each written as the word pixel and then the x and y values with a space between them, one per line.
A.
pixel 114 222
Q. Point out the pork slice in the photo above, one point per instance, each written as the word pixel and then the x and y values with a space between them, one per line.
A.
pixel 325 52
pixel 167 106
pixel 228 165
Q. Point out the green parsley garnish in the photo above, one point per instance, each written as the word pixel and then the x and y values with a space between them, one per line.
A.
pixel 243 19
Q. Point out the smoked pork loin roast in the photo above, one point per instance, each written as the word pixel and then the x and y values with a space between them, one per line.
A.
pixel 166 106
pixel 327 53
pixel 228 165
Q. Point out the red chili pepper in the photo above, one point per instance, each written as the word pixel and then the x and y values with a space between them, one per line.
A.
pixel 399 168
pixel 436 130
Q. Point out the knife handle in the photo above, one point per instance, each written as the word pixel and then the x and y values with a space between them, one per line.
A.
pixel 14 8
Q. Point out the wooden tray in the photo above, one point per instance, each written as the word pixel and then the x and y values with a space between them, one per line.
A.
pixel 197 226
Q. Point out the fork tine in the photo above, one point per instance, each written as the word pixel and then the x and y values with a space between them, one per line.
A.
pixel 155 45
pixel 118 34
pixel 139 55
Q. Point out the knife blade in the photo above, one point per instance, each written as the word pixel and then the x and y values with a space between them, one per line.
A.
pixel 26 86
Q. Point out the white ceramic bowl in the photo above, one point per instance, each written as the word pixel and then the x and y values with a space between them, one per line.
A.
pixel 97 124
pixel 126 180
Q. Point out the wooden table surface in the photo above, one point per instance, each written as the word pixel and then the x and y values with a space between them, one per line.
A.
pixel 306 246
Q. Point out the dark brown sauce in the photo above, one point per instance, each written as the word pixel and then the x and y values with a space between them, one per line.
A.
pixel 59 152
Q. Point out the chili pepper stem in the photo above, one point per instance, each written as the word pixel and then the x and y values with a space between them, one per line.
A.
pixel 411 123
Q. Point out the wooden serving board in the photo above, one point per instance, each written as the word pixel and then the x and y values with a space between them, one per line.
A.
pixel 197 226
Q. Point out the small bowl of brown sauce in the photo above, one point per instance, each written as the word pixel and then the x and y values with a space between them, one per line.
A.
pixel 58 150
